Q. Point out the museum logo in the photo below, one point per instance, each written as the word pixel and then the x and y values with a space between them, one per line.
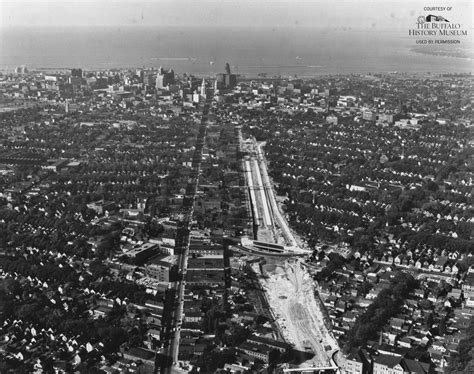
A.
pixel 433 25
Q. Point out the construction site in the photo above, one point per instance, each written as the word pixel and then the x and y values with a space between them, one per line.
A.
pixel 290 293
pixel 288 287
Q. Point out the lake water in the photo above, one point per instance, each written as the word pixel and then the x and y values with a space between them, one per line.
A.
pixel 291 51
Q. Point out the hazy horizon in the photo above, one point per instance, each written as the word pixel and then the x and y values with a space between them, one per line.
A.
pixel 275 51
pixel 368 14
pixel 279 37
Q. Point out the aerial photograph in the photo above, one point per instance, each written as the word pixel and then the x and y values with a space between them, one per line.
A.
pixel 236 186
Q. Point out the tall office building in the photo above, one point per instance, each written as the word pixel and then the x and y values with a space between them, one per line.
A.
pixel 164 78
pixel 227 79
pixel 21 69
pixel 76 78
pixel 76 73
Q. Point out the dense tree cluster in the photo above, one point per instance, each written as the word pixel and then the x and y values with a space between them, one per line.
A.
pixel 387 304
pixel 462 361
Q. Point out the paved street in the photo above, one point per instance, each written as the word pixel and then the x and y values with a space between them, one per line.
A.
pixel 171 330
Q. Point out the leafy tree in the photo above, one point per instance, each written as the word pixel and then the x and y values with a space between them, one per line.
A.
pixel 461 362
pixel 385 305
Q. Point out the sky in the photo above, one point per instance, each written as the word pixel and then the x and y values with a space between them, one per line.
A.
pixel 356 14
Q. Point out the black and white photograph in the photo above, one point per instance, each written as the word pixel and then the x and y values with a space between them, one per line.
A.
pixel 236 186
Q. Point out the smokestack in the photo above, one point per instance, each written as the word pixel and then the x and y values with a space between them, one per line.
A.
pixel 227 68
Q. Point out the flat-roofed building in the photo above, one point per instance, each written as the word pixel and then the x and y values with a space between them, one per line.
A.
pixel 141 253
pixel 159 267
